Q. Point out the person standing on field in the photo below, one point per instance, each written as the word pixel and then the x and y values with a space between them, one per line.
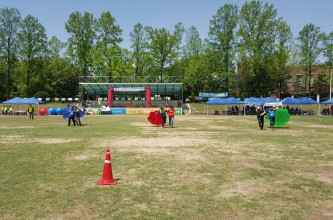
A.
pixel 71 116
pixel 77 115
pixel 171 114
pixel 163 116
pixel 31 112
pixel 271 114
pixel 261 116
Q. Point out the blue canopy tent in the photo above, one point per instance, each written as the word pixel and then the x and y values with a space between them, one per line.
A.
pixel 13 101
pixel 252 101
pixel 307 101
pixel 267 100
pixel 291 101
pixel 299 101
pixel 233 101
pixel 214 101
pixel 328 102
pixel 24 101
pixel 258 101
pixel 33 100
pixel 222 101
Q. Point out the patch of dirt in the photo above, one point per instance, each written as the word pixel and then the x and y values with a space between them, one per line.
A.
pixel 247 188
pixel 138 124
pixel 319 126
pixel 323 173
pixel 11 139
pixel 18 127
pixel 17 139
pixel 54 140
pixel 167 140
pixel 84 157
pixel 245 162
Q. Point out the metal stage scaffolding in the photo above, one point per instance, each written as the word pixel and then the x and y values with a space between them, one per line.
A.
pixel 168 86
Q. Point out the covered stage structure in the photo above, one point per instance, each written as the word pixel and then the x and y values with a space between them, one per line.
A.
pixel 132 94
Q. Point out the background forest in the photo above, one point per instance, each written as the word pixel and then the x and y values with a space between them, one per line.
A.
pixel 249 51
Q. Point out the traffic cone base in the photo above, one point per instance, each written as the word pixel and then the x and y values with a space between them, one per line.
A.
pixel 107 182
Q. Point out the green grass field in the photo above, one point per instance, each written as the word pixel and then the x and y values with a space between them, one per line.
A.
pixel 207 167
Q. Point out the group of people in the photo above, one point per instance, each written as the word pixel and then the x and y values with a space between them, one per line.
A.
pixel 74 116
pixel 261 112
pixel 167 113
pixel 327 111
pixel 7 110
pixel 233 110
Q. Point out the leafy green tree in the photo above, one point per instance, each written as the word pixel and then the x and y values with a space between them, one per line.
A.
pixel 164 46
pixel 139 39
pixel 328 51
pixel 81 28
pixel 222 38
pixel 10 19
pixel 309 40
pixel 192 51
pixel 321 84
pixel 197 75
pixel 107 45
pixel 328 48
pixel 63 78
pixel 33 49
pixel 281 68
pixel 257 30
pixel 194 45
pixel 55 47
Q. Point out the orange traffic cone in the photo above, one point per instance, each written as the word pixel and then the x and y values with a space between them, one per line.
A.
pixel 107 178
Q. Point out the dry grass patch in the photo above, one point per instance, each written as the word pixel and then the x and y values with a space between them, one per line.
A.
pixel 55 140
pixel 21 139
pixel 245 188
pixel 18 127
pixel 323 173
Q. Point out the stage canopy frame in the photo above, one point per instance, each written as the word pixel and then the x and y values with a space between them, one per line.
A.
pixel 162 89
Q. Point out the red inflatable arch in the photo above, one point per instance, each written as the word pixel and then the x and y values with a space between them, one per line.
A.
pixel 133 89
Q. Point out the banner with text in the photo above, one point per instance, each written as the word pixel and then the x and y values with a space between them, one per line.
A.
pixel 213 95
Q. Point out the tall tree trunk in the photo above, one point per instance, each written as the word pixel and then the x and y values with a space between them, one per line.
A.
pixel 8 82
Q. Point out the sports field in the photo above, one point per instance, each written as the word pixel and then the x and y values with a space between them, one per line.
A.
pixel 207 167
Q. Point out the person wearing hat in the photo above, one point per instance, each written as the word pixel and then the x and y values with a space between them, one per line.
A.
pixel 271 115
pixel 261 116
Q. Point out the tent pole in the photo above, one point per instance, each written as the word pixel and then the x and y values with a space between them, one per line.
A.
pixel 318 109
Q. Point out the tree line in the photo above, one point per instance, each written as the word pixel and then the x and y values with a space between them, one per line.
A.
pixel 249 51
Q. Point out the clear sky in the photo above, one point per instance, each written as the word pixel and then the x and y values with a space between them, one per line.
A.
pixel 53 14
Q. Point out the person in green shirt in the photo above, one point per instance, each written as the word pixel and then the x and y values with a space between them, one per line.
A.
pixel 6 110
pixel 10 110
pixel 31 112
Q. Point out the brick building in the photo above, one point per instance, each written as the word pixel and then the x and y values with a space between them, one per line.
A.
pixel 298 80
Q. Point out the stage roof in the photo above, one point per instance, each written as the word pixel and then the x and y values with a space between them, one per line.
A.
pixel 155 88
